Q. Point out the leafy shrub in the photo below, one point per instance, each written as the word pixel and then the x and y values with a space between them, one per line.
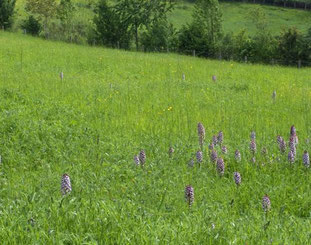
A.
pixel 6 13
pixel 160 36
pixel 32 26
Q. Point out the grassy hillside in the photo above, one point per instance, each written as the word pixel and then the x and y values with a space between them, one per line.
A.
pixel 236 16
pixel 109 106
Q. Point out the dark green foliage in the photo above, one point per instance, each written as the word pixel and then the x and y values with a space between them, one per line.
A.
pixel 6 13
pixel 292 47
pixel 160 36
pixel 204 33
pixel 193 39
pixel 65 13
pixel 110 29
pixel 208 15
pixel 32 26
pixel 227 46
pixel 138 14
pixel 65 10
pixel 243 46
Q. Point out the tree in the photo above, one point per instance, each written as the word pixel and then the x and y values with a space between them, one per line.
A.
pixel 110 30
pixel 137 14
pixel 159 36
pixel 6 13
pixel 208 16
pixel 44 9
pixel 65 12
pixel 292 47
pixel 243 46
pixel 193 38
pixel 264 42
pixel 31 25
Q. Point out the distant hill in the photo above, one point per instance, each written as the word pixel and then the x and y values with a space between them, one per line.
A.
pixel 236 15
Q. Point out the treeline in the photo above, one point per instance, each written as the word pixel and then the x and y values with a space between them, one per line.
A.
pixel 143 25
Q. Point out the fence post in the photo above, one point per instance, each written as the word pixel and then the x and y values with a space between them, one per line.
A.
pixel 25 31
pixel 193 53
pixel 245 59
pixel 299 64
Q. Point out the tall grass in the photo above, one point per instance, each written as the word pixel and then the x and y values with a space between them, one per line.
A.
pixel 112 104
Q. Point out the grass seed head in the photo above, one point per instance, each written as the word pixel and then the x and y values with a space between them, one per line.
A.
pixel 136 160
pixel 279 138
pixel 253 135
pixel 252 146
pixel 220 137
pixel 224 149
pixel 266 204
pixel 189 195
pixel 237 155
pixel 199 156
pixel 214 140
pixel 264 151
pixel 253 160
pixel 220 166
pixel 282 145
pixel 201 133
pixel 171 151
pixel 292 145
pixel 65 184
pixel 292 130
pixel 191 163
pixel 306 159
pixel 237 178
pixel 213 156
pixel 142 157
pixel 291 156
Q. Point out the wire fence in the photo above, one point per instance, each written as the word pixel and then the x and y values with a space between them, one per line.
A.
pixel 299 63
pixel 305 5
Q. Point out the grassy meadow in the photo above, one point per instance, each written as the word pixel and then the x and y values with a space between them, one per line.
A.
pixel 109 106
pixel 236 16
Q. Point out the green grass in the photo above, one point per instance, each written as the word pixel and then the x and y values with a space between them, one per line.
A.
pixel 110 105
pixel 236 16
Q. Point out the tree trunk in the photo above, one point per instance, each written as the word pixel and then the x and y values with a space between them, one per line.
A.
pixel 136 37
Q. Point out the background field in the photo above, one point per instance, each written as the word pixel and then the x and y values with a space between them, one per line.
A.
pixel 236 16
pixel 110 105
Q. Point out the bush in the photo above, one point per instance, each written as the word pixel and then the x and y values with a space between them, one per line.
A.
pixel 192 38
pixel 32 26
pixel 160 36
pixel 227 46
pixel 292 47
pixel 6 13
pixel 77 33
pixel 243 46
pixel 110 30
